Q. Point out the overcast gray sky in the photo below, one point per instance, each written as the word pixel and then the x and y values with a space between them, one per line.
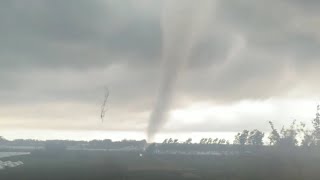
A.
pixel 254 61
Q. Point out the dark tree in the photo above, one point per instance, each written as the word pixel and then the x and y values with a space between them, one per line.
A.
pixel 288 136
pixel 308 137
pixel 241 138
pixel 188 141
pixel 316 127
pixel 222 141
pixel 227 142
pixel 165 141
pixel 203 141
pixel 274 136
pixel 256 138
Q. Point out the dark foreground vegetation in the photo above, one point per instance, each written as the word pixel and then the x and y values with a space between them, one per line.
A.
pixel 87 165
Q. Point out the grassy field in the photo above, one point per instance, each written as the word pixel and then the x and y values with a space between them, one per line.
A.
pixel 78 165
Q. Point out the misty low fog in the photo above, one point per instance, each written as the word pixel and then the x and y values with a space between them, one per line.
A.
pixel 152 89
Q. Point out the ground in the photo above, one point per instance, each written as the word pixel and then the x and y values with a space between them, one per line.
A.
pixel 130 165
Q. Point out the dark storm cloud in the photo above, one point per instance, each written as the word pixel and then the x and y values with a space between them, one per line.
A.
pixel 67 51
pixel 277 27
pixel 280 53
pixel 75 34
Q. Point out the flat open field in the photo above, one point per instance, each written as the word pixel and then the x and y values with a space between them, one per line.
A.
pixel 78 165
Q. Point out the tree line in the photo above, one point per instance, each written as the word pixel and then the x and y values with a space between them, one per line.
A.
pixel 285 137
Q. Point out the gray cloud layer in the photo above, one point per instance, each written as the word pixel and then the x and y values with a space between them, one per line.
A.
pixel 55 52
